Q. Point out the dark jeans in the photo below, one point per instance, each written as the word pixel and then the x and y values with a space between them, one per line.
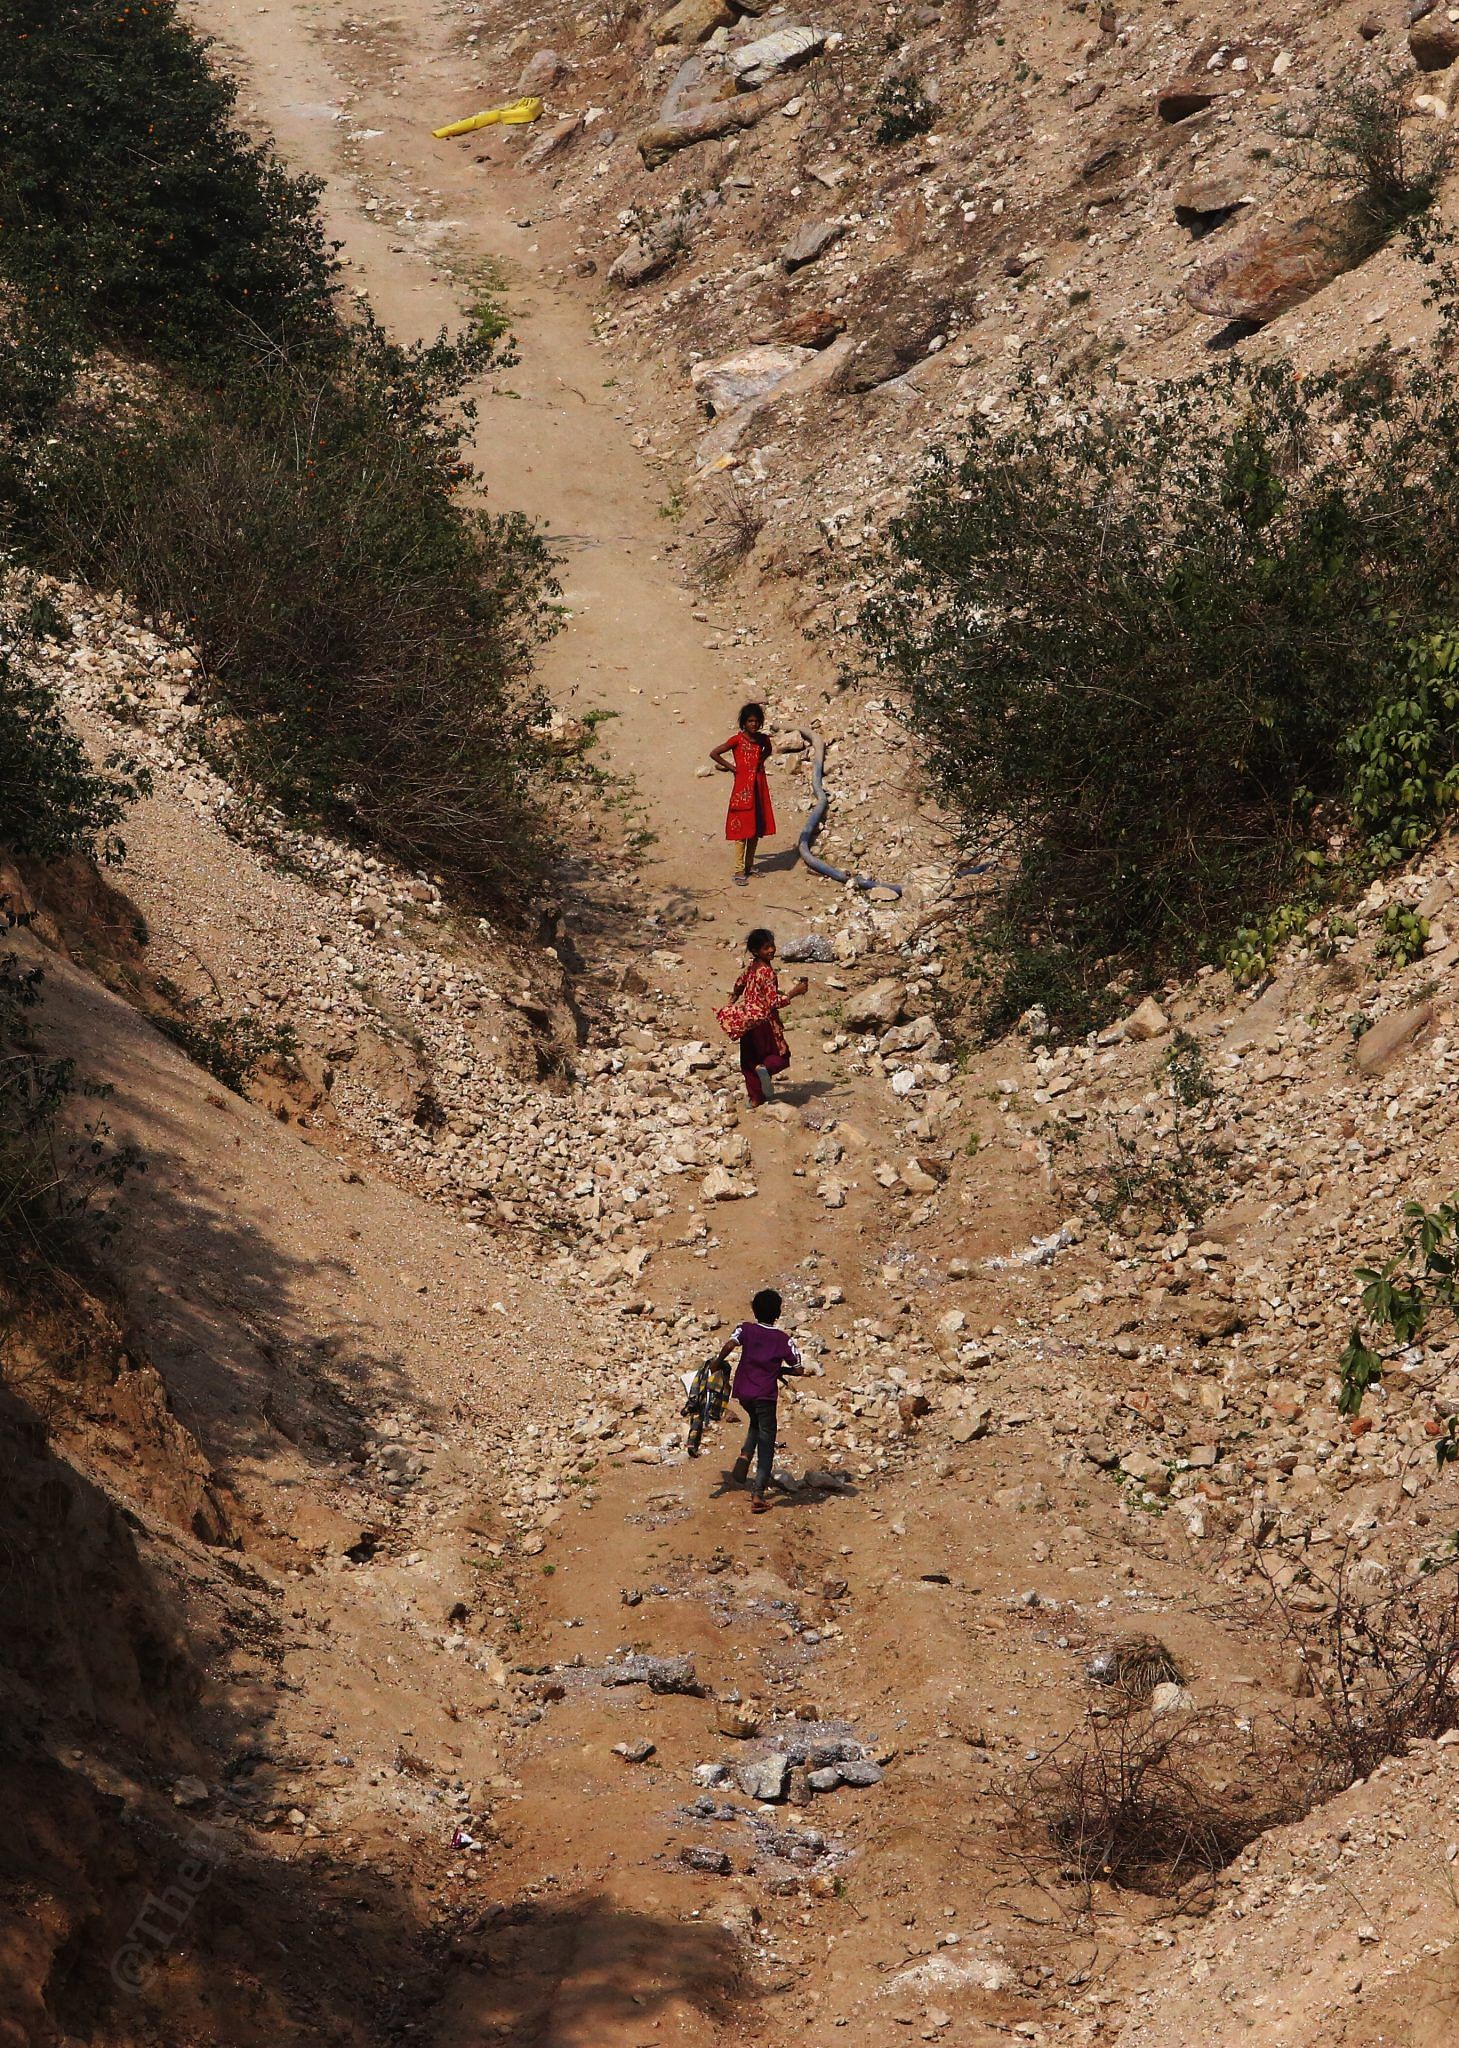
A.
pixel 761 1438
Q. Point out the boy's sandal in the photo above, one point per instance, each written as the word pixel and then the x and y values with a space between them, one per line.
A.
pixel 759 1505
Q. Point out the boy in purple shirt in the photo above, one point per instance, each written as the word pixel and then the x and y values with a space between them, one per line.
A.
pixel 767 1356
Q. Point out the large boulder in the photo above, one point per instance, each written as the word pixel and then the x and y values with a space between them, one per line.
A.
pixel 641 261
pixel 922 1031
pixel 662 240
pixel 1277 268
pixel 903 338
pixel 1146 1020
pixel 551 140
pixel 704 124
pixel 1186 96
pixel 820 368
pixel 858 1771
pixel 816 328
pixel 1390 1037
pixel 1202 201
pixel 734 380
pixel 540 73
pixel 809 242
pixel 699 81
pixel 876 1008
pixel 757 63
pixel 765 1777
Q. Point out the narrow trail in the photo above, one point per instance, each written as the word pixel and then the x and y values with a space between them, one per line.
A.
pixel 597 1935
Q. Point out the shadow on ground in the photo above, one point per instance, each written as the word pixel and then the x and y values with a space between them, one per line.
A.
pixel 584 1970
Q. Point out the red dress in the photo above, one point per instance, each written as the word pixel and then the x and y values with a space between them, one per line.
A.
pixel 750 815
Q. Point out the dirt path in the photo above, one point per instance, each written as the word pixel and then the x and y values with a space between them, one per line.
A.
pixel 862 1615
pixel 548 443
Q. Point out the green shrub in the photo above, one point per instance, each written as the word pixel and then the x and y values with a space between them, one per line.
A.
pixel 1403 760
pixel 231 1049
pixel 1404 935
pixel 1138 634
pixel 365 639
pixel 1368 148
pixel 1188 1071
pixel 38 368
pixel 902 109
pixel 1399 1301
pixel 1252 951
pixel 133 209
pixel 1016 966
pixel 282 485
pixel 1400 1296
pixel 52 801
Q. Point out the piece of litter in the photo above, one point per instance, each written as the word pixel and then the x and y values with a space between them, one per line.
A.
pixel 1042 1252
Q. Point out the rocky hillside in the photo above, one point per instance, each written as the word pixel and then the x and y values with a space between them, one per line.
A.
pixel 1097 1292
pixel 1095 1675
pixel 839 236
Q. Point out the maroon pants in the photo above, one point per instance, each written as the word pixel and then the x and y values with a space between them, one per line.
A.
pixel 759 1048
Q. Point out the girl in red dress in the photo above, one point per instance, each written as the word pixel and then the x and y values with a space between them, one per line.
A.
pixel 753 1017
pixel 750 818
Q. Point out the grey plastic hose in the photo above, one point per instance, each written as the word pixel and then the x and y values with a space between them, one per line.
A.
pixel 815 818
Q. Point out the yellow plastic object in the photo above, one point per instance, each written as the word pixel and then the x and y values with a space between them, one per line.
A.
pixel 514 116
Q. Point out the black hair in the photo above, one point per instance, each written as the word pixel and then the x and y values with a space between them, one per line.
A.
pixel 757 939
pixel 746 710
pixel 766 1306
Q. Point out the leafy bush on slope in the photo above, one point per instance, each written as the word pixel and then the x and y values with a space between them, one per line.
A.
pixel 1158 641
pixel 279 484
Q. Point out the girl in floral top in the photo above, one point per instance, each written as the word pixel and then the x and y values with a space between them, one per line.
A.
pixel 753 1017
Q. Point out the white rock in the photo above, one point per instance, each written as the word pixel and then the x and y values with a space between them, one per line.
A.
pixel 1148 1020
pixel 734 380
pixel 770 56
pixel 1170 1698
pixel 874 1009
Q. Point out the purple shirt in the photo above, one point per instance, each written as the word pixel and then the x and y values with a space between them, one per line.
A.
pixel 765 1352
